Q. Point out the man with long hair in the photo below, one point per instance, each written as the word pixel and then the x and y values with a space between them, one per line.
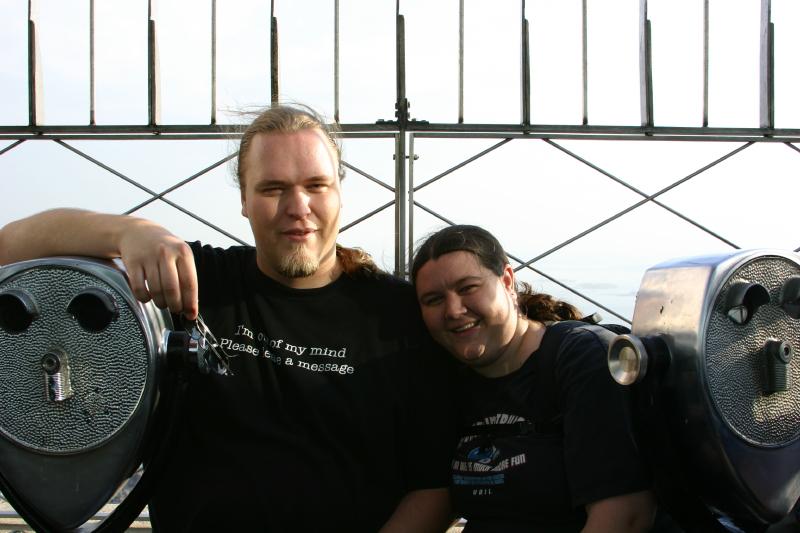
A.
pixel 336 417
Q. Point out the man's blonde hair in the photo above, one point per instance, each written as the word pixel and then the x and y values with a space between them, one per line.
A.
pixel 286 119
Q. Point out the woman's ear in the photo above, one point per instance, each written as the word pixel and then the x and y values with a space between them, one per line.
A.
pixel 509 281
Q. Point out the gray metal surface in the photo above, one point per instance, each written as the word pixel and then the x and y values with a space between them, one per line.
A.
pixel 735 443
pixel 733 359
pixel 109 368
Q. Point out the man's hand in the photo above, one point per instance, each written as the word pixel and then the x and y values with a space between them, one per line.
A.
pixel 160 267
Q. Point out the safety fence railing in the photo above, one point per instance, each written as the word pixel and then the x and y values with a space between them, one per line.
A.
pixel 399 203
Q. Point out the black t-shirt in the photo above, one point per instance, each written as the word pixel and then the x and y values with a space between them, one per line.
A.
pixel 337 408
pixel 506 480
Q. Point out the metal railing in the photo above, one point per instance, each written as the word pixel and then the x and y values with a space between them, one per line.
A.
pixel 405 130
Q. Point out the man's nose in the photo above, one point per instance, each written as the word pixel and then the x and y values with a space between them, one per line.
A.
pixel 297 203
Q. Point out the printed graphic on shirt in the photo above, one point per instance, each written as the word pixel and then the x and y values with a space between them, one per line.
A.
pixel 479 462
pixel 281 352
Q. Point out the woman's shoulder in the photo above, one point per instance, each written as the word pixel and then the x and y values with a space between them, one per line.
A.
pixel 579 348
pixel 575 335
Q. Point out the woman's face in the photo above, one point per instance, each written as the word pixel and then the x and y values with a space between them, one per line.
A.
pixel 467 308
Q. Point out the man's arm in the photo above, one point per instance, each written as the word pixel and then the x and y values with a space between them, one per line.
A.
pixel 424 510
pixel 627 513
pixel 160 266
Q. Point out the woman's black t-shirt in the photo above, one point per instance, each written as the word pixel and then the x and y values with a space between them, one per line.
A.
pixel 513 478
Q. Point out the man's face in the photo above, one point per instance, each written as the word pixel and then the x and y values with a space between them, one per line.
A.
pixel 291 195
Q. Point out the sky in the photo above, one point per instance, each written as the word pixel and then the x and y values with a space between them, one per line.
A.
pixel 531 193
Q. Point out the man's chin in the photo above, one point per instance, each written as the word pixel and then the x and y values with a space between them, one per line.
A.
pixel 297 264
pixel 297 273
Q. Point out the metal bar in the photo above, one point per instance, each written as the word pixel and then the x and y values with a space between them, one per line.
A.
pixel 401 197
pixel 401 185
pixel 364 134
pixel 11 146
pixel 336 61
pixel 566 128
pixel 567 287
pixel 181 183
pixel 107 168
pixel 767 68
pixel 153 114
pixel 92 120
pixel 150 136
pixel 33 66
pixel 401 105
pixel 641 193
pixel 705 63
pixel 585 61
pixel 365 217
pixel 525 67
pixel 460 61
pixel 273 54
pixel 645 67
pixel 228 129
pixel 636 205
pixel 462 164
pixel 369 177
pixel 213 61
pixel 449 131
pixel 411 158
pixel 793 147
pixel 427 129
pixel 150 192
pixel 580 137
pixel 434 213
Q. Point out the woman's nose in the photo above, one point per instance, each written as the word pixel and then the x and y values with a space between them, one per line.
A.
pixel 454 307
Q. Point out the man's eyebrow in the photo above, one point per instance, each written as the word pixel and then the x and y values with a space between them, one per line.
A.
pixel 267 182
pixel 260 182
pixel 321 177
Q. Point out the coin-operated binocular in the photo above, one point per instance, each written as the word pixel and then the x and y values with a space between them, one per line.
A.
pixel 712 360
pixel 90 384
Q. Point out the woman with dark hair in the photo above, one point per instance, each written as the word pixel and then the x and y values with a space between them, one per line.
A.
pixel 546 442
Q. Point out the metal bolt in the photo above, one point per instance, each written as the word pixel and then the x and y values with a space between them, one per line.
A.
pixel 50 363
